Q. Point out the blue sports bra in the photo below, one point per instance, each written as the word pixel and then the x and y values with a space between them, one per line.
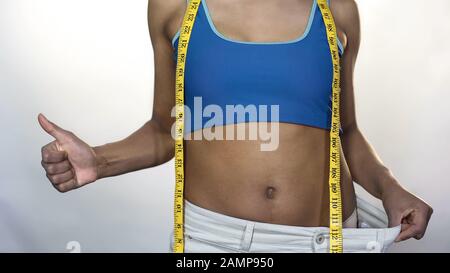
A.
pixel 296 75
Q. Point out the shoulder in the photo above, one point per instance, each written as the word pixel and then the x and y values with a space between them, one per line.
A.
pixel 163 15
pixel 346 14
pixel 165 7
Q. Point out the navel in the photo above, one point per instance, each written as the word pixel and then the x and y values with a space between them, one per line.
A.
pixel 270 192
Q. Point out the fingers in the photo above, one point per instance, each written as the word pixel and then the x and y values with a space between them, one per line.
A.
pixel 61 178
pixel 66 186
pixel 421 223
pixel 55 160
pixel 413 226
pixel 51 128
pixel 61 175
pixel 51 154
pixel 408 231
pixel 56 168
pixel 64 182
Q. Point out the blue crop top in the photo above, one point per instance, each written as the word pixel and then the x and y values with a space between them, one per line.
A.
pixel 296 75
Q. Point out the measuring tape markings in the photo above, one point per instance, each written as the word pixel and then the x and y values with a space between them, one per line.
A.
pixel 334 173
pixel 183 42
pixel 336 239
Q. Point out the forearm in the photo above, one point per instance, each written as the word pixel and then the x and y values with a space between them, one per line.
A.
pixel 366 167
pixel 147 147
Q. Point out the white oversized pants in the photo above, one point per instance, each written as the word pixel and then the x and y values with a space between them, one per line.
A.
pixel 208 231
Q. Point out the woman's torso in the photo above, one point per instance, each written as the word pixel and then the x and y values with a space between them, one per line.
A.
pixel 289 184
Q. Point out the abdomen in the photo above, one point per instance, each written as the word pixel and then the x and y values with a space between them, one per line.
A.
pixel 288 185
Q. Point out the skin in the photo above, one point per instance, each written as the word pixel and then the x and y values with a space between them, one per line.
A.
pixel 286 186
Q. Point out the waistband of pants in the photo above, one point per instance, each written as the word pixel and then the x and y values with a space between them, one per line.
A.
pixel 203 224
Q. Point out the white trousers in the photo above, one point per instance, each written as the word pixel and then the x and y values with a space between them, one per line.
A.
pixel 208 231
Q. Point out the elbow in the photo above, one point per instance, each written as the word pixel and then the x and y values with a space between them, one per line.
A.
pixel 162 142
pixel 166 148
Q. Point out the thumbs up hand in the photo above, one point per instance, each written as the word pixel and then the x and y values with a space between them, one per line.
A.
pixel 68 161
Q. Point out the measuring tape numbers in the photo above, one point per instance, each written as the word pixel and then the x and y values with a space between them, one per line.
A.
pixel 183 42
pixel 335 174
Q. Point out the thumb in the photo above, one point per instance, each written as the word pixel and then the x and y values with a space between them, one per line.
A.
pixel 51 128
pixel 409 227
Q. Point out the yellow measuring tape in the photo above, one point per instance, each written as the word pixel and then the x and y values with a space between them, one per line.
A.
pixel 335 142
pixel 334 178
pixel 183 42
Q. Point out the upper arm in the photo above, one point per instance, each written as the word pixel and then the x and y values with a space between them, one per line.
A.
pixel 164 19
pixel 347 20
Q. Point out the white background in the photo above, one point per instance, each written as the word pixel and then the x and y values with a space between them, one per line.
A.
pixel 88 65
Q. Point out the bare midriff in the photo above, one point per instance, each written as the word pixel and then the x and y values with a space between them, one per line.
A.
pixel 287 186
